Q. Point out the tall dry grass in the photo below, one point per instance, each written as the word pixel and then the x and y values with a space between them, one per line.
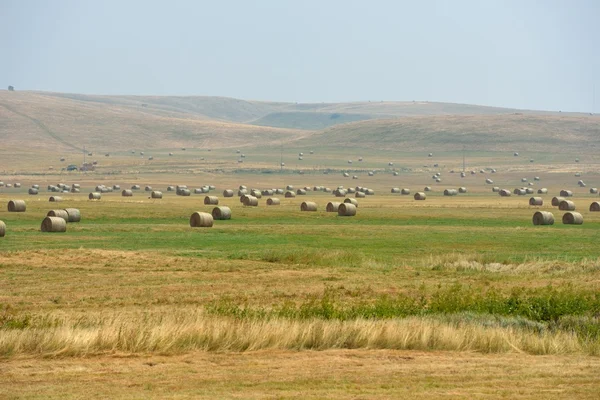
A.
pixel 55 335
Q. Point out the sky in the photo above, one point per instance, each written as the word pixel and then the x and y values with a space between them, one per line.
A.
pixel 542 54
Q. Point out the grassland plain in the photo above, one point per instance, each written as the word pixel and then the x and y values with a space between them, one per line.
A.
pixel 453 296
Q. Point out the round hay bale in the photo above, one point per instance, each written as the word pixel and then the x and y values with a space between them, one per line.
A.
pixel 250 201
pixel 258 194
pixel 308 206
pixel 566 205
pixel 427 189
pixel 523 179
pixel 98 188
pixel 290 194
pixel 289 187
pixel 106 190
pixel 420 196
pixel 395 190
pixel 221 213
pixel 273 201
pixel 54 224
pixel 340 193
pixel 184 192
pixel 395 173
pixel 301 192
pixel 593 191
pixel 332 206
pixel 242 192
pixel 351 201
pixel 462 175
pixel 55 199
pixel 360 195
pixel 33 191
pixel 211 200
pixel 450 192
pixel 566 193
pixel 135 187
pixel 327 190
pixel 543 218
pixel 405 191
pixel 74 215
pixel 520 192
pixel 504 193
pixel 556 201
pixel 354 176
pixel 346 175
pixel 462 189
pixel 347 209
pixel 228 193
pixel 279 191
pixel 59 213
pixel 542 191
pixel 127 193
pixel 495 189
pixel 369 192
pixel 33 186
pixel 16 206
pixel 370 173
pixel 595 206
pixel 201 220
pixel 170 188
pixel 572 218
pixel 116 187
pixel 536 201
pixel 148 189
pixel 17 185
pixel 2 229
pixel 528 190
pixel 516 154
pixel 489 181
pixel 94 196
pixel 156 194
pixel 351 190
pixel 198 191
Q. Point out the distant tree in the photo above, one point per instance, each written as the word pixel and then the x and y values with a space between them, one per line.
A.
pixel 11 88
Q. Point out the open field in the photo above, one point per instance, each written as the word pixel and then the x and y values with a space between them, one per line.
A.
pixel 452 296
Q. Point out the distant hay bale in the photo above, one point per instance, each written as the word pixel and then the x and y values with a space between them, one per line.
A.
pixel 55 199
pixel 430 155
pixel 495 189
pixel 523 179
pixel 450 192
pixel 395 173
pixel 595 206
pixel 370 173
pixel 279 191
pixel 308 206
pixel 420 196
pixel 268 192
pixel 54 224
pixel 2 229
pixel 566 205
pixel 520 191
pixel 16 206
pixel 536 201
pixel 340 193
pixel 273 201
pixel 58 213
pixel 427 189
pixel 301 192
pixel 572 218
pixel 242 192
pixel 221 213
pixel 359 195
pixel 32 191
pixel 127 193
pixel 543 218
pixel 593 190
pixel 347 210
pixel 346 175
pixel 462 175
pixel 351 190
pixel 405 191
pixel 211 200
pixel 516 154
pixel 201 220
pixel 462 189
pixel 184 192
pixel 228 193
pixel 156 194
pixel 74 215
pixel 116 187
pixel 18 185
pixel 489 181
pixel 250 201
pixel 529 190
pixel 289 187
pixel 290 194
pixel 94 196
pixel 332 206
pixel 556 201
pixel 148 188
pixel 135 187
pixel 369 192
pixel 351 201
pixel 395 190
pixel 504 193
pixel 566 193
pixel 198 191
pixel 354 176
pixel 256 193
pixel 98 188
pixel 542 191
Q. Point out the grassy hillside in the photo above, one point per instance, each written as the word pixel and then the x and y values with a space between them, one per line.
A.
pixel 508 132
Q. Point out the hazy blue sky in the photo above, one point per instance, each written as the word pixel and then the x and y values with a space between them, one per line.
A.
pixel 530 54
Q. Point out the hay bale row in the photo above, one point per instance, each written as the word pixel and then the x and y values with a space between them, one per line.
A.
pixel 543 218
pixel 308 206
pixel 54 224
pixel 221 213
pixel 201 220
pixel 572 218
pixel 17 206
